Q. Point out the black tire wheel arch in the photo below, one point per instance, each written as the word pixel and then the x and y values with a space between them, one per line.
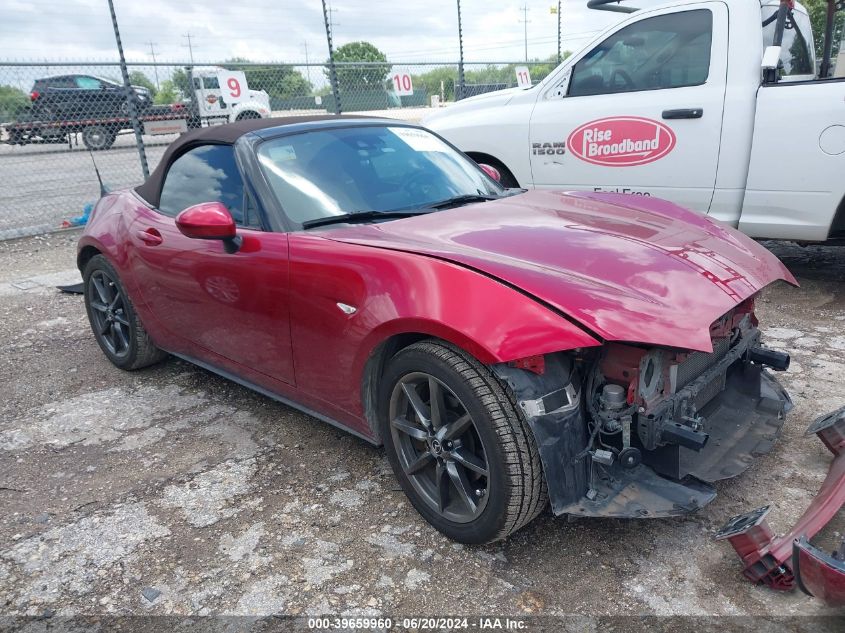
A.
pixel 248 114
pixel 512 493
pixel 507 179
pixel 98 137
pixel 116 325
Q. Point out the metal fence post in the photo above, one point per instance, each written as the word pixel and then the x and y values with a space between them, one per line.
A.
pixel 332 69
pixel 558 33
pixel 130 101
pixel 461 80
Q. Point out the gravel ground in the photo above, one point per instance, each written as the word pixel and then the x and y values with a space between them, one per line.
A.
pixel 173 491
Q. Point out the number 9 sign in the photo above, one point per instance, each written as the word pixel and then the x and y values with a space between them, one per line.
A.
pixel 232 84
pixel 234 87
pixel 402 84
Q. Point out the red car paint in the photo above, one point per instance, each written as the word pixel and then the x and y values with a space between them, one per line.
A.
pixel 626 267
pixel 767 559
pixel 621 141
pixel 504 280
pixel 818 574
pixel 207 221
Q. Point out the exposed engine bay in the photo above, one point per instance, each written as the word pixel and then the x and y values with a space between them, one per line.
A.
pixel 642 432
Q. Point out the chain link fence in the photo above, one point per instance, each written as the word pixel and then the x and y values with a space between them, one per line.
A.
pixel 59 120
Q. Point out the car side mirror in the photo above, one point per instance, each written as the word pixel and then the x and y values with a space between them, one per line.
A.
pixel 209 221
pixel 491 171
pixel 769 63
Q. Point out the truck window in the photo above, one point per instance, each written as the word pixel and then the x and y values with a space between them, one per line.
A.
pixel 666 51
pixel 210 83
pixel 797 52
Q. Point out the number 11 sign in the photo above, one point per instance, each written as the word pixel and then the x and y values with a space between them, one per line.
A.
pixel 523 77
pixel 402 84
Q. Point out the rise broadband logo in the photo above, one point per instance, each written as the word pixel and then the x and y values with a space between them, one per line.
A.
pixel 621 141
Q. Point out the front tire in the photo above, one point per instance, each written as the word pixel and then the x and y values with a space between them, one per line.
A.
pixel 248 114
pixel 463 455
pixel 116 326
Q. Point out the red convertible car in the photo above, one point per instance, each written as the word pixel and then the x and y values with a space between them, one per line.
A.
pixel 509 348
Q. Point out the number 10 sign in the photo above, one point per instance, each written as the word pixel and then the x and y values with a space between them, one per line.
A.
pixel 402 84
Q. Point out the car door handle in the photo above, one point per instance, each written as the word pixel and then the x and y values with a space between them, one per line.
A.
pixel 684 113
pixel 150 236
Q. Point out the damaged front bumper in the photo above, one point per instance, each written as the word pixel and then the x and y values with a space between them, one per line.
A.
pixel 785 561
pixel 742 407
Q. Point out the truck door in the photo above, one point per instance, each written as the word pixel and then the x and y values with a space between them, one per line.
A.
pixel 209 96
pixel 640 112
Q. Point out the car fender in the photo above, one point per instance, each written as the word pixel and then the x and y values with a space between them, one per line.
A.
pixel 510 326
pixel 106 231
pixel 388 293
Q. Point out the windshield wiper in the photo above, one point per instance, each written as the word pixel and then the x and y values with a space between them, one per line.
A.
pixel 362 216
pixel 459 200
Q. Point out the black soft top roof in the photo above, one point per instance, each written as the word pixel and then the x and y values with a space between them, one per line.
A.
pixel 226 135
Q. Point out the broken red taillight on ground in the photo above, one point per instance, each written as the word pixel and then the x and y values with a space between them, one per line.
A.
pixel 785 561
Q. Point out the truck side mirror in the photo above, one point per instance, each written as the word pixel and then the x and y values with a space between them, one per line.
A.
pixel 769 65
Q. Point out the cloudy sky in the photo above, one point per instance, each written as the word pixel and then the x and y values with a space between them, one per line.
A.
pixel 278 30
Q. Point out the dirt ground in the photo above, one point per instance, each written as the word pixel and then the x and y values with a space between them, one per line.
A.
pixel 174 491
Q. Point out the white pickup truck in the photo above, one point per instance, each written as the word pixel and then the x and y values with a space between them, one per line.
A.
pixel 686 101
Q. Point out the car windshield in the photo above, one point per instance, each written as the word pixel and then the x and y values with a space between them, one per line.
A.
pixel 326 173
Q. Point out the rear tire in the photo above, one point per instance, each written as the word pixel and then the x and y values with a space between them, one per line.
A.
pixel 443 476
pixel 116 326
pixel 98 137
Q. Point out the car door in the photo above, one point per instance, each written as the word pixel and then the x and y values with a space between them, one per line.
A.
pixel 90 98
pixel 640 112
pixel 63 100
pixel 215 302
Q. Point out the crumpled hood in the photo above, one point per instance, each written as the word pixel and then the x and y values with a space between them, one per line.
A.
pixel 628 268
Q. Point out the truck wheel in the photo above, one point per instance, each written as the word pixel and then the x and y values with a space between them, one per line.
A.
pixel 507 179
pixel 98 137
pixel 248 114
pixel 457 445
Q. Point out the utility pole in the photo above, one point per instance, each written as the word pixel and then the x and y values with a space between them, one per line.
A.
pixel 130 96
pixel 524 21
pixel 190 47
pixel 152 46
pixel 332 69
pixel 307 67
pixel 461 79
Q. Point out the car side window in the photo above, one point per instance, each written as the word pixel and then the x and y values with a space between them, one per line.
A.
pixel 207 173
pixel 62 83
pixel 88 83
pixel 210 83
pixel 666 51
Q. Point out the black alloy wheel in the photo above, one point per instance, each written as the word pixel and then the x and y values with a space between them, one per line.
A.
pixel 439 447
pixel 108 313
pixel 460 450
pixel 116 326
